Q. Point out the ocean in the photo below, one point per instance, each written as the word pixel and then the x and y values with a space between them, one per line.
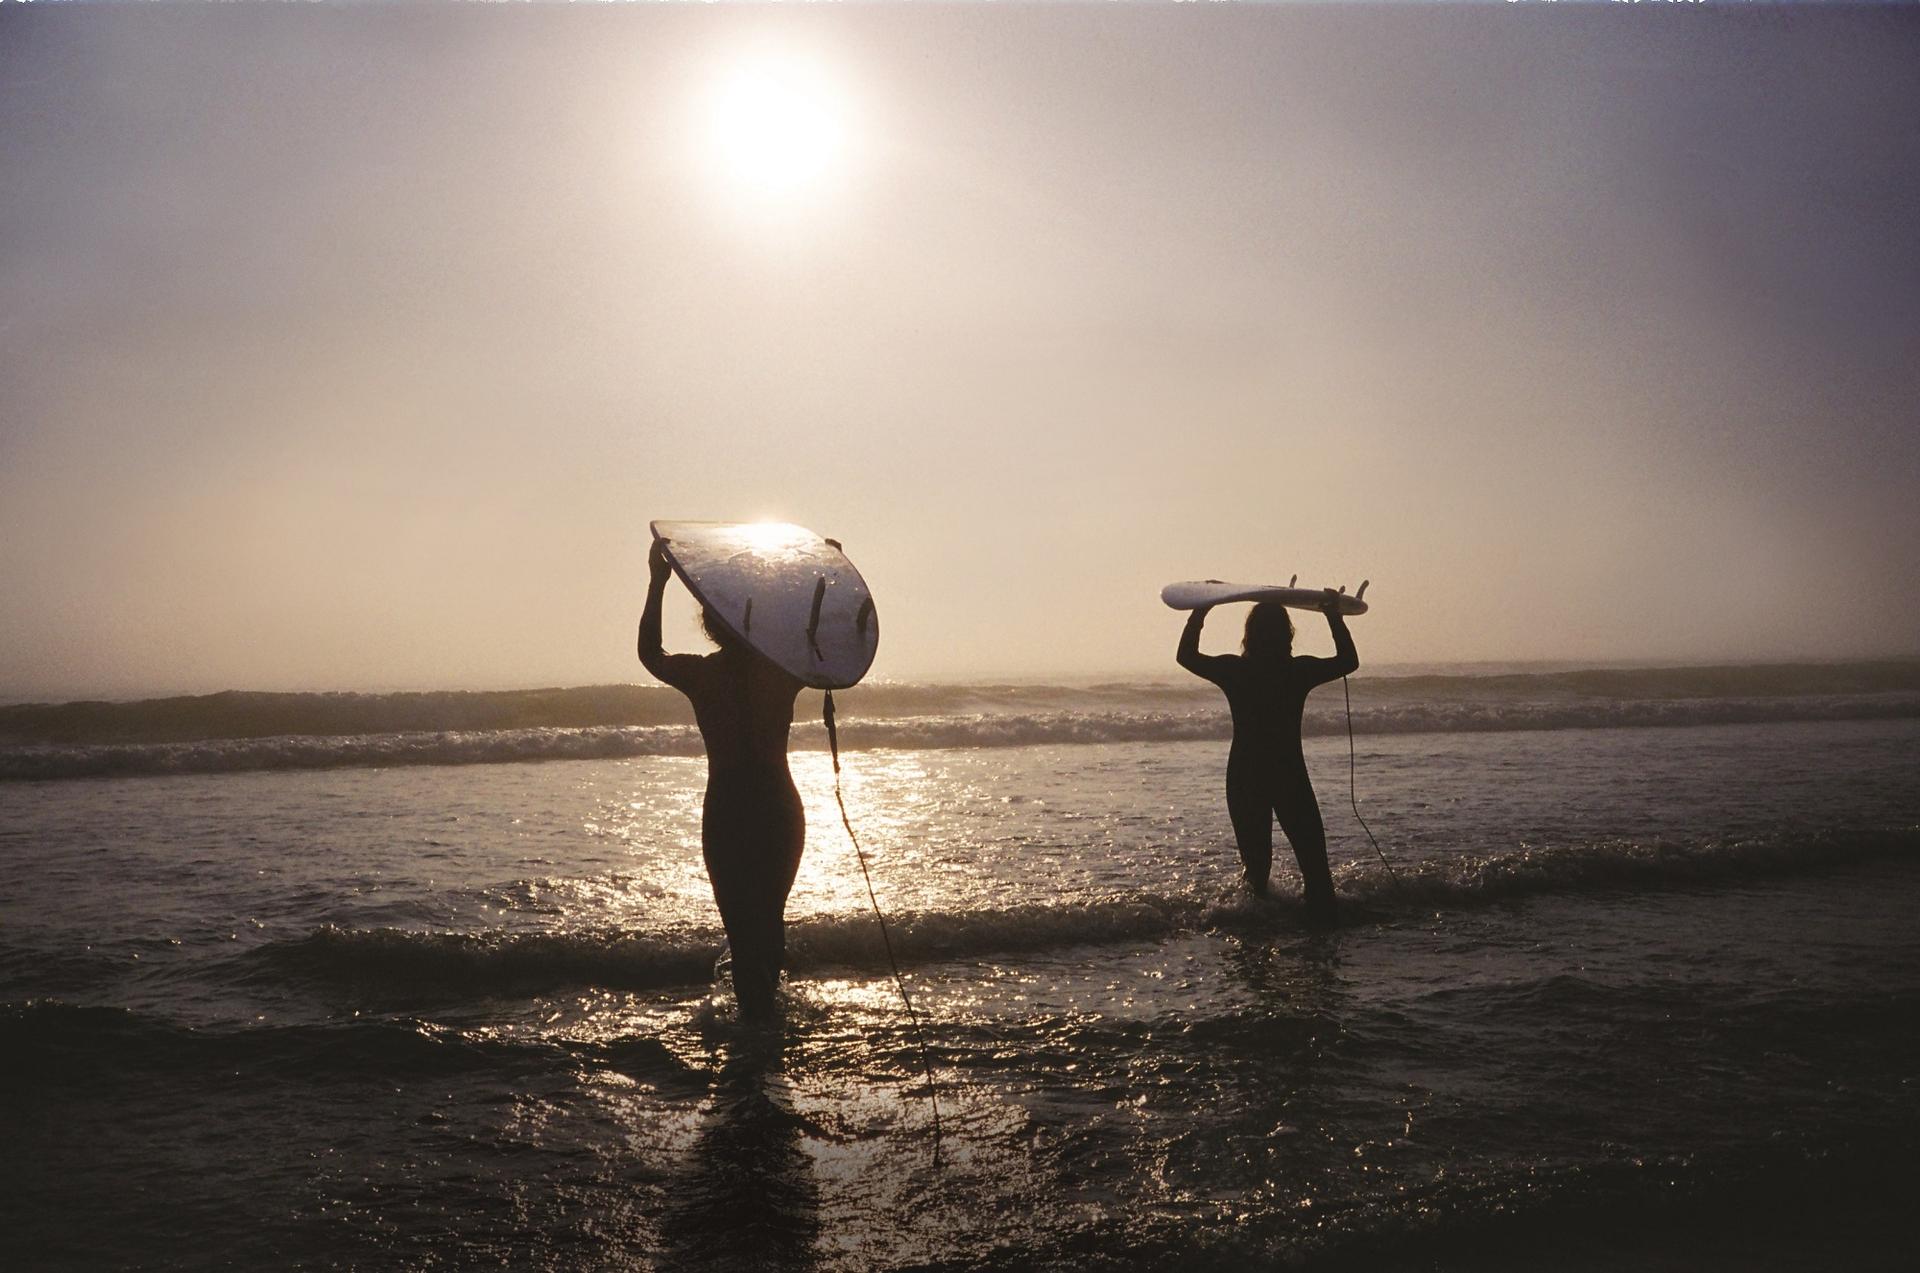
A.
pixel 430 981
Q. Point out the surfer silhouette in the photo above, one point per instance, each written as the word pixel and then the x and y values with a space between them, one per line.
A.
pixel 753 826
pixel 1266 685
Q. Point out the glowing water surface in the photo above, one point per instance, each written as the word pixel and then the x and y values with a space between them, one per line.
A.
pixel 469 1015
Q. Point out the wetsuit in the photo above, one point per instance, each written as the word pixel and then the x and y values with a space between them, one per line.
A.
pixel 752 827
pixel 1266 772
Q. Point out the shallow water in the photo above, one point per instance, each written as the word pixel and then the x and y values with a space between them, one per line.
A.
pixel 1628 993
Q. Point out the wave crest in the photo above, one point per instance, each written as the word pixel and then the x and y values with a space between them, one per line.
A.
pixel 392 962
pixel 45 762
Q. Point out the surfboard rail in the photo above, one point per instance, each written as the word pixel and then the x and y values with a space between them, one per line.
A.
pixel 1192 594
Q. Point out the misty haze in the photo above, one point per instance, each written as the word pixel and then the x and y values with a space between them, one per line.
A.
pixel 352 350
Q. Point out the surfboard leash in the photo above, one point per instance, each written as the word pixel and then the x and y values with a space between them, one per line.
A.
pixel 1353 798
pixel 886 938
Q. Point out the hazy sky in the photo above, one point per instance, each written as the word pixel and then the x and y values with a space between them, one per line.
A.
pixel 354 348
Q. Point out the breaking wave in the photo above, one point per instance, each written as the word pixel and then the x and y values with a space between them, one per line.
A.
pixel 389 963
pixel 43 762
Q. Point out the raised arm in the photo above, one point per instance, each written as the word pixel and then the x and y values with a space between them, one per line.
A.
pixel 674 669
pixel 1188 655
pixel 1346 659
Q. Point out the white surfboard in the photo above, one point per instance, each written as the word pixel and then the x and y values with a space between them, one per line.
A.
pixel 1195 593
pixel 791 595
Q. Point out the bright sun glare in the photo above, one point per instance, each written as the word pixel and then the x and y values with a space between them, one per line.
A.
pixel 778 128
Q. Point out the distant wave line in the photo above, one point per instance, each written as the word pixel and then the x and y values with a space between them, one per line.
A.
pixel 241 714
pixel 48 762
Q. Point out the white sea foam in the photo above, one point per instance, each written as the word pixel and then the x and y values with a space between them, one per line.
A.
pixel 47 761
pixel 403 962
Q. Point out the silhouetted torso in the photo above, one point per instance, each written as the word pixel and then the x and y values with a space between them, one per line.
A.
pixel 1267 700
pixel 744 707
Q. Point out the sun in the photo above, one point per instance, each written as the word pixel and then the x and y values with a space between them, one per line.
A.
pixel 777 128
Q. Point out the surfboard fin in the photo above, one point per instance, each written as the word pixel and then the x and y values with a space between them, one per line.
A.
pixel 1362 594
pixel 813 621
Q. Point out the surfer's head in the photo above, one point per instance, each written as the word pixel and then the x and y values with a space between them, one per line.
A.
pixel 1269 632
pixel 716 631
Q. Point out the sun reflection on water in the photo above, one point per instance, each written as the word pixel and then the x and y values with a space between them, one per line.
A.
pixel 882 791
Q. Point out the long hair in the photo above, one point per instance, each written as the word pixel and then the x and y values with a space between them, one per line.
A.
pixel 716 631
pixel 1269 632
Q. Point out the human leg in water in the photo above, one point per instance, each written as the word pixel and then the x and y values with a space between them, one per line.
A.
pixel 1299 814
pixel 1250 805
pixel 752 836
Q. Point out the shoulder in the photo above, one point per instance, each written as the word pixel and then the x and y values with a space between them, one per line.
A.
pixel 688 673
pixel 1314 669
pixel 1222 667
pixel 769 678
